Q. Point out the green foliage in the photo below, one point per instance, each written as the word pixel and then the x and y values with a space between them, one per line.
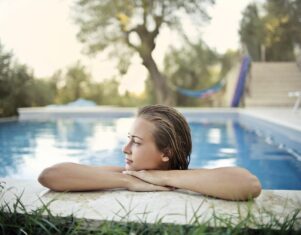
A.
pixel 41 92
pixel 14 79
pixel 277 29
pixel 107 93
pixel 131 27
pixel 110 23
pixel 76 83
pixel 252 31
pixel 5 72
pixel 281 25
pixel 149 91
pixel 19 88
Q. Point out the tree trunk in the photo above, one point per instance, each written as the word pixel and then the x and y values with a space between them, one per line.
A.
pixel 162 91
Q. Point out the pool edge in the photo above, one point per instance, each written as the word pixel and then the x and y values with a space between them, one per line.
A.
pixel 103 205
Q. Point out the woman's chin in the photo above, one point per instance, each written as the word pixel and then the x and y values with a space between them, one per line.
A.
pixel 129 167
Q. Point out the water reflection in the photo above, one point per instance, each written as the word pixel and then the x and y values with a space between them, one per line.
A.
pixel 220 163
pixel 214 136
pixel 227 152
pixel 28 147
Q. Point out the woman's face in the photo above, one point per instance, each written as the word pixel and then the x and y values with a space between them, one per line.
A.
pixel 141 152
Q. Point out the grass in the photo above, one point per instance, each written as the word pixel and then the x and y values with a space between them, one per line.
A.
pixel 16 219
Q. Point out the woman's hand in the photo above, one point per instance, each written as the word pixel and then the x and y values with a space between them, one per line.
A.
pixel 140 185
pixel 149 176
pixel 230 183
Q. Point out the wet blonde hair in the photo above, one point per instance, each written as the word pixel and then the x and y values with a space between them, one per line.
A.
pixel 172 134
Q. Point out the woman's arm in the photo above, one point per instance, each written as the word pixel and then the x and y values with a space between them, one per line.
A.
pixel 230 183
pixel 77 177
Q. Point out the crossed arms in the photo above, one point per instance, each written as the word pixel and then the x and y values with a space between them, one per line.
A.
pixel 230 183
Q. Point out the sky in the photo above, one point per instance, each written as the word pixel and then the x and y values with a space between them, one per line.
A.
pixel 42 35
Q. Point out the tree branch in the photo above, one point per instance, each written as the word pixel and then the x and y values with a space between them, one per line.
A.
pixel 145 11
pixel 128 42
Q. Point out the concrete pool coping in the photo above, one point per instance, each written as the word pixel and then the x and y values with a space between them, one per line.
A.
pixel 169 207
pixel 281 116
pixel 179 207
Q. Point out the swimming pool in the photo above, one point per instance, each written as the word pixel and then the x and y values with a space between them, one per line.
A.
pixel 28 146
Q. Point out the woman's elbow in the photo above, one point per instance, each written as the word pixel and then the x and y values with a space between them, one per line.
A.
pixel 252 186
pixel 49 178
pixel 256 187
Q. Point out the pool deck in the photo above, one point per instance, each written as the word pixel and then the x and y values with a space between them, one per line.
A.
pixel 281 116
pixel 181 207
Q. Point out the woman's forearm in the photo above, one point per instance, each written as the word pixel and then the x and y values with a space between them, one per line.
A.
pixel 229 183
pixel 76 177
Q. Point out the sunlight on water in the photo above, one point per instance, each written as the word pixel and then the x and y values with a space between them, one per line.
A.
pixel 102 138
pixel 43 154
pixel 214 136
pixel 106 138
pixel 227 152
pixel 123 127
pixel 221 163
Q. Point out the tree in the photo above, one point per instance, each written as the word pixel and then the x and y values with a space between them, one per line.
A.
pixel 76 83
pixel 40 92
pixel 14 78
pixel 135 24
pixel 278 30
pixel 252 31
pixel 104 93
pixel 295 21
pixel 5 72
pixel 283 29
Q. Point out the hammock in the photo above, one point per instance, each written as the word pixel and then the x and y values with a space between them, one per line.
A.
pixel 217 86
pixel 202 93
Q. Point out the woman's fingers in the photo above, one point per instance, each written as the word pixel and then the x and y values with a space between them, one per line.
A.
pixel 131 172
pixel 160 188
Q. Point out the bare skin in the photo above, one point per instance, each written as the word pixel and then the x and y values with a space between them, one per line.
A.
pixel 77 177
pixel 230 183
pixel 145 170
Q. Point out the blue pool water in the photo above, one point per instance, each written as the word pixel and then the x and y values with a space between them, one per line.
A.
pixel 27 147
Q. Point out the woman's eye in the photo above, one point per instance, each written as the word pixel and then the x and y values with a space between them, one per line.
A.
pixel 133 141
pixel 136 142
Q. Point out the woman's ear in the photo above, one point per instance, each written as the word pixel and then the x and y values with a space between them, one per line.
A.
pixel 165 156
pixel 165 159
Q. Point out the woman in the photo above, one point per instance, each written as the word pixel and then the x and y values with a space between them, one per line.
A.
pixel 156 159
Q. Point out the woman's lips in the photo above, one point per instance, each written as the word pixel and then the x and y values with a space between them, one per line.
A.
pixel 128 161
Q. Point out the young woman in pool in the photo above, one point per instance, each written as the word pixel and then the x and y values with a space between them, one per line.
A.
pixel 156 159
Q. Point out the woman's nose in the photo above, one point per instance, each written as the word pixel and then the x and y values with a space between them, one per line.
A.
pixel 127 148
